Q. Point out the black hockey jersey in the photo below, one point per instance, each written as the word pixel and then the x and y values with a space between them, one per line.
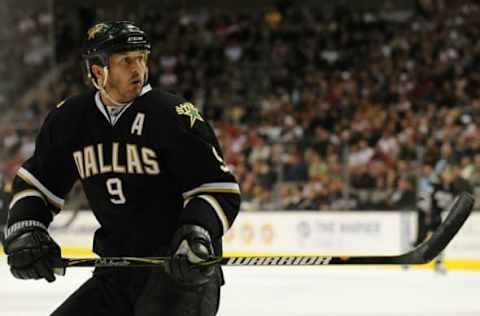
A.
pixel 152 167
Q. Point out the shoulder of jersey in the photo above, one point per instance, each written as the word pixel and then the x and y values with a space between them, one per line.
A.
pixel 174 108
pixel 74 106
pixel 161 106
pixel 68 116
pixel 158 100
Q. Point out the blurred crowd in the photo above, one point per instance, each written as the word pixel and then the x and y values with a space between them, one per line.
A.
pixel 315 109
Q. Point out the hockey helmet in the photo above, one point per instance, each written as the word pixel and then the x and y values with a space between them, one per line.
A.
pixel 106 38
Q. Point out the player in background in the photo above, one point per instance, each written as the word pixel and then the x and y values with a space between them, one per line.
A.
pixel 153 173
pixel 434 198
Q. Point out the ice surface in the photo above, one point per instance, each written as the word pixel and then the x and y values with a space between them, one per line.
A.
pixel 298 291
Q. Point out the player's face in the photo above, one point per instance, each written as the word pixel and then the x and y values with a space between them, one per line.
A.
pixel 126 75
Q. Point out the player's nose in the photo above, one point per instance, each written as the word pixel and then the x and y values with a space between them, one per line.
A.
pixel 135 72
pixel 137 69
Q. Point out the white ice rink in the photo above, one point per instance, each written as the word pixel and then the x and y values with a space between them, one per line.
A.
pixel 299 291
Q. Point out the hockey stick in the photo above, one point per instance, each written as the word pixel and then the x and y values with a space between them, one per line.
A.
pixel 459 211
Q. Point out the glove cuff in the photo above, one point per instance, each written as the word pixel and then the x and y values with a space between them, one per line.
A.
pixel 22 227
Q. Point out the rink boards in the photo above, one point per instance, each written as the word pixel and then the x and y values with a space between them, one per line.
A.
pixel 344 233
pixel 300 232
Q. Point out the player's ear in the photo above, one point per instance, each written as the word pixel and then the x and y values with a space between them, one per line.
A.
pixel 97 72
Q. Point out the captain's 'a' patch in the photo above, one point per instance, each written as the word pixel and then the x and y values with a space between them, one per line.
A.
pixel 137 126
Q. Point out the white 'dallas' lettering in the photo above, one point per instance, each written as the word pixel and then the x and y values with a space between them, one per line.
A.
pixel 117 158
pixel 137 126
pixel 104 168
pixel 117 167
pixel 134 164
pixel 91 167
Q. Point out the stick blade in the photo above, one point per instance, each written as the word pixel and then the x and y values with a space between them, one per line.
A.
pixel 458 212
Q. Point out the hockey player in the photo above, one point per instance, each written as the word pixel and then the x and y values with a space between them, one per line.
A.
pixel 154 176
pixel 434 199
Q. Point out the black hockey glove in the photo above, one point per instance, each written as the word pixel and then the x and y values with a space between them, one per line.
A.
pixel 32 253
pixel 191 244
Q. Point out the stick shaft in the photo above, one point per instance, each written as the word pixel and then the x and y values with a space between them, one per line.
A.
pixel 233 261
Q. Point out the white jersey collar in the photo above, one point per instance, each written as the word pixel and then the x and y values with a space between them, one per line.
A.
pixel 103 109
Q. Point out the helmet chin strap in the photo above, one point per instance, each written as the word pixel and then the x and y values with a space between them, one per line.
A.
pixel 146 76
pixel 102 90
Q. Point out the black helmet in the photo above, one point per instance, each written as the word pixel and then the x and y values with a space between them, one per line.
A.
pixel 107 38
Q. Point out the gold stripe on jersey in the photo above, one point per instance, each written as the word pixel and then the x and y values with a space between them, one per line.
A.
pixel 220 187
pixel 26 193
pixel 26 176
pixel 61 103
pixel 218 210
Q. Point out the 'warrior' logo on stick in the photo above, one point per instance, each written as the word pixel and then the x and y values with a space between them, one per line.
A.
pixel 293 260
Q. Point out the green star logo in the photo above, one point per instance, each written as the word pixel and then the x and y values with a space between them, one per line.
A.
pixel 189 110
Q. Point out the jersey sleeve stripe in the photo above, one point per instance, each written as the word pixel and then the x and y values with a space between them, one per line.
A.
pixel 221 187
pixel 26 193
pixel 30 179
pixel 218 209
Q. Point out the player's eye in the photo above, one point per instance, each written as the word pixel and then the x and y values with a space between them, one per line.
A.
pixel 129 60
pixel 140 58
pixel 123 60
